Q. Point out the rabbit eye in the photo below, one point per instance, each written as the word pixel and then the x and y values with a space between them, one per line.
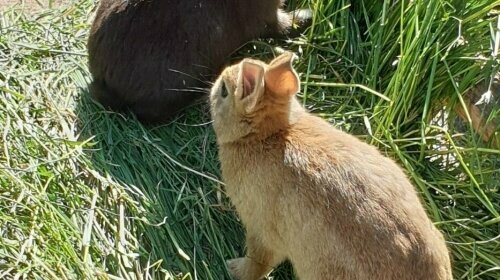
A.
pixel 223 91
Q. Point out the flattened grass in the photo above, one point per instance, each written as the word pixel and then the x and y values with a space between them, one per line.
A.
pixel 85 192
pixel 88 193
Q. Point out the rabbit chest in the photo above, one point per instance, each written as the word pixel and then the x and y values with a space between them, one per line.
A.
pixel 258 185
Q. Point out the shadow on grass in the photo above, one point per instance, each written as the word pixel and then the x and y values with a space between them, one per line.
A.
pixel 171 172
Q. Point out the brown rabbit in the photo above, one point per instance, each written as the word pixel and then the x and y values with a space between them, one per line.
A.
pixel 307 192
pixel 155 57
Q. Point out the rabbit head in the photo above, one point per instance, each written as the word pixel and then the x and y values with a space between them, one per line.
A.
pixel 252 99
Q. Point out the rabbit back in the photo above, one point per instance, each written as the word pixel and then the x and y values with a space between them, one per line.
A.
pixel 329 202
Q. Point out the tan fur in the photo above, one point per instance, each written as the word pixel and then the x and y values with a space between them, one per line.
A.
pixel 485 128
pixel 307 192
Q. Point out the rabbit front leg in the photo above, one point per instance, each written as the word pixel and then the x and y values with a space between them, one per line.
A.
pixel 257 263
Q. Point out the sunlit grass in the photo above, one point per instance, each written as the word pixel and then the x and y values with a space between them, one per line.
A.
pixel 89 193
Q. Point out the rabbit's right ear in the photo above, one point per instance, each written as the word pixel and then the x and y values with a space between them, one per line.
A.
pixel 250 84
pixel 280 77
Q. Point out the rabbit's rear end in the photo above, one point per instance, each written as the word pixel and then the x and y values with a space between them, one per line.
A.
pixel 156 57
pixel 331 204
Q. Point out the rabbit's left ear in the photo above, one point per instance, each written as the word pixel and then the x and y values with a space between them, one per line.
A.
pixel 280 77
pixel 250 85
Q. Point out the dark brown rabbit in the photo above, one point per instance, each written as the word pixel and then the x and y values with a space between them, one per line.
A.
pixel 305 191
pixel 154 57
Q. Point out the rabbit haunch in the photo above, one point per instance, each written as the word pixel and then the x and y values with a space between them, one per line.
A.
pixel 156 57
pixel 312 194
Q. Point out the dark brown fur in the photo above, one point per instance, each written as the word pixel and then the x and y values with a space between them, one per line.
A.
pixel 155 57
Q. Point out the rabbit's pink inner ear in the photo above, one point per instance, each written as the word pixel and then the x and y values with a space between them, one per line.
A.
pixel 251 73
pixel 248 86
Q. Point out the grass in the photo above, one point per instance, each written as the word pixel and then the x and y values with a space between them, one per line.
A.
pixel 88 193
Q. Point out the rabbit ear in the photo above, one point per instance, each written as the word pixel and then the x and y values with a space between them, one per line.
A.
pixel 251 84
pixel 280 77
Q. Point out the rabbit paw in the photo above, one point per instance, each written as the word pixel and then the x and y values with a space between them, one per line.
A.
pixel 234 266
